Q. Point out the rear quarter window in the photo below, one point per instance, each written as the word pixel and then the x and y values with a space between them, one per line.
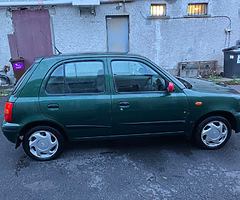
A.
pixel 24 78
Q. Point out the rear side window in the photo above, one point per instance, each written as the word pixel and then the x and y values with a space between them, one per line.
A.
pixel 77 77
pixel 56 82
pixel 84 77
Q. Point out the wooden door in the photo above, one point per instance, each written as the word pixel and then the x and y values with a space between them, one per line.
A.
pixel 32 35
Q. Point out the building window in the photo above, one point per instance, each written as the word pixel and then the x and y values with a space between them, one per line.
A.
pixel 197 9
pixel 158 10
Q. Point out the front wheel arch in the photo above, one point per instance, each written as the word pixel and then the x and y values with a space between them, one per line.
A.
pixel 217 139
pixel 228 115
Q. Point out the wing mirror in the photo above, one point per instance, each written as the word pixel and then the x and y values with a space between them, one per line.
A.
pixel 170 87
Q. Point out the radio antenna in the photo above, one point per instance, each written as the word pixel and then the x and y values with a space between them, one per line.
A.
pixel 59 52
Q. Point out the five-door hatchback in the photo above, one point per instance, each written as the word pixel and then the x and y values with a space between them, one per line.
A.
pixel 85 96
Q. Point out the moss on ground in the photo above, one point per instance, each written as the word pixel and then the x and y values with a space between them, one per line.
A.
pixel 225 81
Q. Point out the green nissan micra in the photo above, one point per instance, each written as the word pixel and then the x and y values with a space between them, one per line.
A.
pixel 75 97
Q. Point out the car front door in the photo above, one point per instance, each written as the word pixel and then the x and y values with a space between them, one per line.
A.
pixel 76 95
pixel 140 102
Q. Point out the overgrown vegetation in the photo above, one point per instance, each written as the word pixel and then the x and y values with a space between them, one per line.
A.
pixel 226 81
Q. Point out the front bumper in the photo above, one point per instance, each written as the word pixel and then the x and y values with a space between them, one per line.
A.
pixel 11 131
pixel 237 117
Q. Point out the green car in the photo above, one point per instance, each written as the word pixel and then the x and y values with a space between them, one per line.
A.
pixel 91 96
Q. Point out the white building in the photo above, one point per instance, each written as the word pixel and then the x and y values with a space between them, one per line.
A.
pixel 167 32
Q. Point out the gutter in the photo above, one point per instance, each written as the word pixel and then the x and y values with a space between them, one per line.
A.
pixel 35 3
pixel 58 2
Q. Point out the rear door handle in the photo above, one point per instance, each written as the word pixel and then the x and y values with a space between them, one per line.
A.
pixel 124 104
pixel 53 106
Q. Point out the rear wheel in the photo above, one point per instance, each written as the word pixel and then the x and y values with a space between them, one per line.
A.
pixel 213 132
pixel 43 143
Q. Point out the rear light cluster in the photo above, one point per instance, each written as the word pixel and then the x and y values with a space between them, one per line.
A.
pixel 8 112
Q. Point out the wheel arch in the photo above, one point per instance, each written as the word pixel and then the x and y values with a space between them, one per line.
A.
pixel 41 123
pixel 228 115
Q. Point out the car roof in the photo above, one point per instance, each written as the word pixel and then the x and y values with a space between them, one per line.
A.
pixel 92 54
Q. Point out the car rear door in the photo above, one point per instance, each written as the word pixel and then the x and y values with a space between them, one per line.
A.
pixel 140 102
pixel 76 94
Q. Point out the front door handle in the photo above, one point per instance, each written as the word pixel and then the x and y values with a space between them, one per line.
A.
pixel 124 104
pixel 53 106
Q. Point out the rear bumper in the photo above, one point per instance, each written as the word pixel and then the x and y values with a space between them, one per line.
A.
pixel 11 131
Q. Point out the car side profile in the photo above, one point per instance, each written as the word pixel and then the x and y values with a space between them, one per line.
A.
pixel 68 98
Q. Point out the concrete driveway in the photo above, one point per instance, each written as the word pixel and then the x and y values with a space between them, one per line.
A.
pixel 162 168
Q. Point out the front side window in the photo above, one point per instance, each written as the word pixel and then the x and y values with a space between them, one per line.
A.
pixel 133 76
pixel 77 77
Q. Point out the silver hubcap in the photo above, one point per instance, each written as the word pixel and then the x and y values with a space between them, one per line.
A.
pixel 214 133
pixel 43 144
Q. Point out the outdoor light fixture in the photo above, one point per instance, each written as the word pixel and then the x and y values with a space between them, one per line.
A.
pixel 119 6
pixel 158 10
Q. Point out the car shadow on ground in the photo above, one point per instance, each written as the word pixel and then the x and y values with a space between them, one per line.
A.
pixel 178 144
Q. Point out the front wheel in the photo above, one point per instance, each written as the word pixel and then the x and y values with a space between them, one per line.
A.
pixel 213 132
pixel 43 143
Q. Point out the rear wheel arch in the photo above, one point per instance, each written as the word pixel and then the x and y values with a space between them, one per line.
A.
pixel 228 115
pixel 55 125
pixel 43 143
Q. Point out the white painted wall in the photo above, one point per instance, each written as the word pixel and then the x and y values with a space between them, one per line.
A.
pixel 5 28
pixel 75 32
pixel 166 42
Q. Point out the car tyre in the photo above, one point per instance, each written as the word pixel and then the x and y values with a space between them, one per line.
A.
pixel 43 143
pixel 213 133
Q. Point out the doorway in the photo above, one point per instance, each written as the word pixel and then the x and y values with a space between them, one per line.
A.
pixel 32 35
pixel 117 34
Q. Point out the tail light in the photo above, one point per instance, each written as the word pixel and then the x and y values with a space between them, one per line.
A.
pixel 8 112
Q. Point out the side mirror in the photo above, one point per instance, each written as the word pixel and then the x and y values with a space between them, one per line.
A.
pixel 170 87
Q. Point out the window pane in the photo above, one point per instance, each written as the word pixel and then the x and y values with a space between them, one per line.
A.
pixel 197 9
pixel 158 10
pixel 70 70
pixel 131 76
pixel 85 77
pixel 55 84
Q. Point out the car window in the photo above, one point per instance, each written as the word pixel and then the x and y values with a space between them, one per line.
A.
pixel 24 76
pixel 84 77
pixel 56 82
pixel 133 76
pixel 77 77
